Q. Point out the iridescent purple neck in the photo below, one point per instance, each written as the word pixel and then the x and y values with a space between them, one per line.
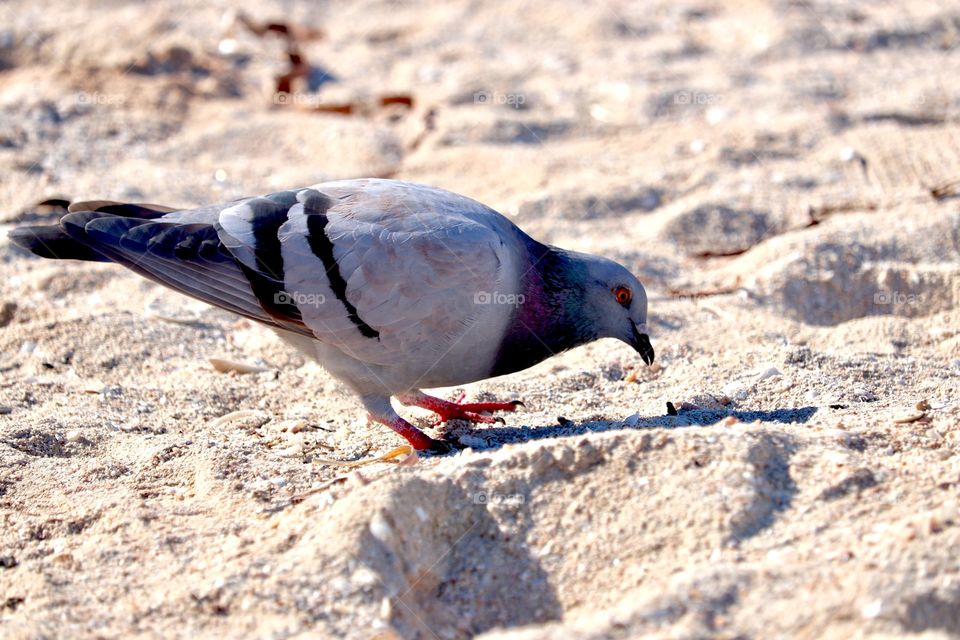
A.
pixel 550 319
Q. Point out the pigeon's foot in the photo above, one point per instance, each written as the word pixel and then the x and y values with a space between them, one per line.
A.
pixel 380 411
pixel 470 411
pixel 417 439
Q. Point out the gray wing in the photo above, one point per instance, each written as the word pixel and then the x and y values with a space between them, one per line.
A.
pixel 380 269
pixel 392 269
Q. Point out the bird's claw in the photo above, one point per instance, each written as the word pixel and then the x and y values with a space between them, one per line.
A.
pixel 470 411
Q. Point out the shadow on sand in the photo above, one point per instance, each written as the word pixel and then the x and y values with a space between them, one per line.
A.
pixel 485 437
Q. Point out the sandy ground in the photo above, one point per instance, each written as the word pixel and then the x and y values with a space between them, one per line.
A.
pixel 777 173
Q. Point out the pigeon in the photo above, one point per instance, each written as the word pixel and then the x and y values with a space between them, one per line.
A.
pixel 392 286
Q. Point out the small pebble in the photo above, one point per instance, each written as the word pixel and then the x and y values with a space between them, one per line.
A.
pixel 380 528
pixel 732 388
pixel 862 394
pixel 364 578
pixel 872 609
pixel 848 154
pixel 94 387
pixel 73 435
pixel 341 585
pixel 298 426
pixel 768 372
pixel 735 389
pixel 227 46
pixel 716 115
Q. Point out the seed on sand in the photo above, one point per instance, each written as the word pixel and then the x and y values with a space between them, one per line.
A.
pixel 231 366
pixel 908 419
pixel 404 455
pixel 639 374
pixel 248 419
pixel 94 387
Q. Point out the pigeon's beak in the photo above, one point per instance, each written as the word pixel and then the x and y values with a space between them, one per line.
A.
pixel 641 342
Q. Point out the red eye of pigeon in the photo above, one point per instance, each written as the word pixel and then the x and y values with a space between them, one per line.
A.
pixel 623 296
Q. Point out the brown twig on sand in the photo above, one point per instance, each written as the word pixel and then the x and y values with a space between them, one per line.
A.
pixel 721 254
pixel 705 293
pixel 429 126
pixel 293 33
pixel 293 36
pixel 820 213
pixel 300 497
pixel 945 189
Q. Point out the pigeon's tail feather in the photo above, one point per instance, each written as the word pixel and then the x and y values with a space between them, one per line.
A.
pixel 125 209
pixel 188 257
pixel 50 241
pixel 55 242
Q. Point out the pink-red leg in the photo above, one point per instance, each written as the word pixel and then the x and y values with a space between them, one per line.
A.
pixel 417 439
pixel 381 411
pixel 446 410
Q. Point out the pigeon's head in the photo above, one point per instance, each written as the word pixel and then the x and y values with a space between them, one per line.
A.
pixel 617 304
